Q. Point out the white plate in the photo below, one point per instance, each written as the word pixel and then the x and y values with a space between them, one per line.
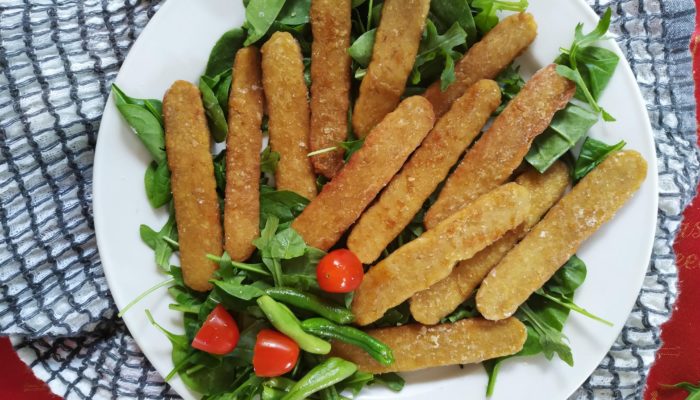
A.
pixel 176 44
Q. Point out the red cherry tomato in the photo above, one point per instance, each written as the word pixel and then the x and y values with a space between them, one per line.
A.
pixel 339 271
pixel 274 354
pixel 219 333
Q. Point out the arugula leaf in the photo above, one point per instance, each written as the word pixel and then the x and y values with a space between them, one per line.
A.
pixel 592 154
pixel 465 310
pixel 593 70
pixel 237 289
pixel 157 183
pixel 269 160
pixel 511 82
pixel 568 127
pixel 486 19
pixel 445 13
pixel 693 390
pixel 222 54
pixel 275 246
pixel 215 115
pixel 564 302
pixel 186 300
pixel 550 337
pixel 492 368
pixel 155 240
pixel 433 46
pixel 220 172
pixel 260 14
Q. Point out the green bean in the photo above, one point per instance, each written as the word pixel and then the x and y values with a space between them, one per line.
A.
pixel 328 330
pixel 284 320
pixel 310 302
pixel 324 375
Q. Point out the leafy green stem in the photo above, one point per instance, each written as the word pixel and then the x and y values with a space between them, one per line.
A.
pixel 143 295
pixel 572 306
pixel 243 266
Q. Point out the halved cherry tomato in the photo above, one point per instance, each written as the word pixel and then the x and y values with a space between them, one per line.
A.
pixel 339 271
pixel 274 354
pixel 219 333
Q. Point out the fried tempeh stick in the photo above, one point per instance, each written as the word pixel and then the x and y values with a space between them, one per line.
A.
pixel 245 110
pixel 288 110
pixel 430 258
pixel 486 59
pixel 330 82
pixel 435 303
pixel 501 149
pixel 590 204
pixel 418 347
pixel 187 144
pixel 426 168
pixel 386 148
pixel 394 53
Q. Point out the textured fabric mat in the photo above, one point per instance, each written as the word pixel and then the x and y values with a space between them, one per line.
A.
pixel 57 59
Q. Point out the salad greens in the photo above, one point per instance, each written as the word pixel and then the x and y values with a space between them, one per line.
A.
pixel 693 390
pixel 591 68
pixel 277 286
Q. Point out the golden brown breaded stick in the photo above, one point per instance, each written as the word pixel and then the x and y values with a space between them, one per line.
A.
pixel 417 346
pixel 288 110
pixel 393 56
pixel 386 148
pixel 187 143
pixel 492 159
pixel 590 204
pixel 245 110
pixel 330 82
pixel 486 59
pixel 426 168
pixel 430 258
pixel 431 305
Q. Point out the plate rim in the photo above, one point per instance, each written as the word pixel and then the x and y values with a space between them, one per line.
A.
pixel 165 10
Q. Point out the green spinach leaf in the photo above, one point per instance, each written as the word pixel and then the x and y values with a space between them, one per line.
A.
pixel 260 14
pixel 568 127
pixel 283 205
pixel 224 51
pixel 269 160
pixel 592 154
pixel 157 182
pixel 361 48
pixel 147 128
pixel 294 12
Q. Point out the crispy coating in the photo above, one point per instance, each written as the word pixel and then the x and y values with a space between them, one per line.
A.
pixel 486 59
pixel 435 303
pixel 386 148
pixel 417 346
pixel 394 53
pixel 245 110
pixel 187 144
pixel 590 204
pixel 430 258
pixel 492 160
pixel 288 110
pixel 330 82
pixel 426 168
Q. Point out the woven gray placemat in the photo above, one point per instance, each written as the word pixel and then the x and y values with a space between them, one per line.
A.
pixel 57 59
